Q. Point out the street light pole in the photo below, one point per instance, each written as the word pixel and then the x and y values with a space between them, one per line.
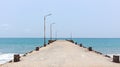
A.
pixel 51 30
pixel 45 28
pixel 71 36
pixel 56 35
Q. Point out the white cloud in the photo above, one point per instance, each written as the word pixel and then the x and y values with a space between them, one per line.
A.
pixel 5 26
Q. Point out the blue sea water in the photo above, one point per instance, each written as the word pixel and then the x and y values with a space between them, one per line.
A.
pixel 11 46
pixel 104 45
pixel 19 45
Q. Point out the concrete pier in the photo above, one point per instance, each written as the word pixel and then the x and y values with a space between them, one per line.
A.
pixel 63 53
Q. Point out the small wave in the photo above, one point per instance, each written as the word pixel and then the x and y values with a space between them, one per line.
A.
pixel 4 58
pixel 111 55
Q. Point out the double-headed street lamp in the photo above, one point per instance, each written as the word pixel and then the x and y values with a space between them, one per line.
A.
pixel 45 28
pixel 51 30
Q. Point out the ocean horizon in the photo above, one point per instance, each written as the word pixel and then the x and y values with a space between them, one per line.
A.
pixel 11 46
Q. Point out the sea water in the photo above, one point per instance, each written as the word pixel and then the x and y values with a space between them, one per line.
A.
pixel 104 45
pixel 11 46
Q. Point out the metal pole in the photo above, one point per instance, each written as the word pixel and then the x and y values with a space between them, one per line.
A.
pixel 51 30
pixel 71 36
pixel 45 29
pixel 56 35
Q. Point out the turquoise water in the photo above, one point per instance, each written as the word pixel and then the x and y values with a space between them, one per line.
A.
pixel 19 45
pixel 11 46
pixel 23 45
pixel 104 45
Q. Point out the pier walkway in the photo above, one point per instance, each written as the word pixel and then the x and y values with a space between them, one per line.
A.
pixel 62 53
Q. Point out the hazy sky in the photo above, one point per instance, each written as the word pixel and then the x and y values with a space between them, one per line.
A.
pixel 82 18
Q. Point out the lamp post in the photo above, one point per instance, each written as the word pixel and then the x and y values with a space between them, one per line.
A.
pixel 71 36
pixel 56 35
pixel 51 30
pixel 45 28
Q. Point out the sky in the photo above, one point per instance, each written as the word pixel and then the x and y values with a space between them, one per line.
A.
pixel 79 18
